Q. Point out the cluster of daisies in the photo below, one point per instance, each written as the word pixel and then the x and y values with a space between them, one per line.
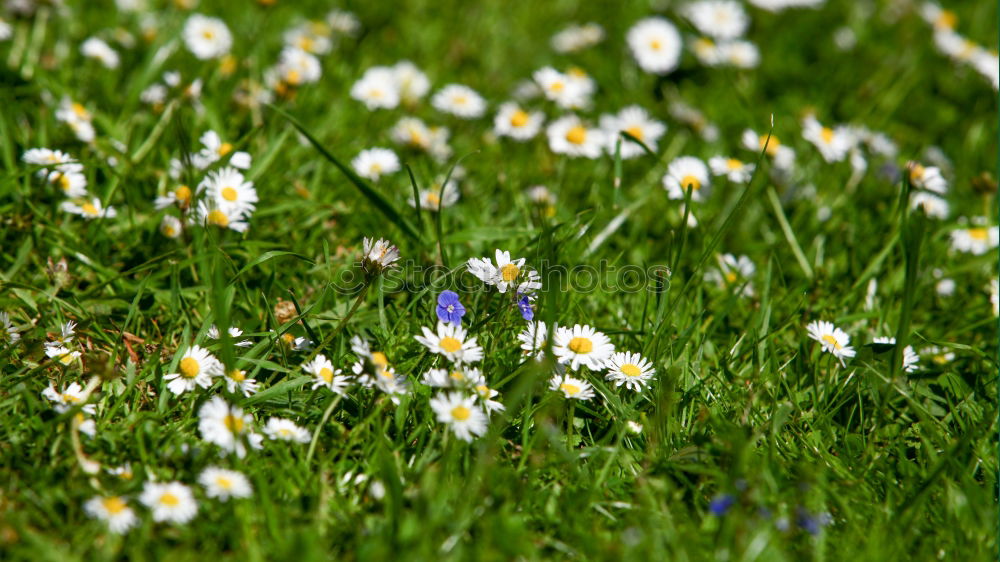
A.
pixel 959 48
pixel 836 342
pixel 61 170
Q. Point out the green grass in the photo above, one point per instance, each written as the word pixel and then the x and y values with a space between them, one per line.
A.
pixel 744 403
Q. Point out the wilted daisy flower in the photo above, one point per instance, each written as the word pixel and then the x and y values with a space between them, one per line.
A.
pixel 635 121
pixel 230 191
pixel 833 144
pixel 784 156
pixel 237 381
pixel 113 510
pixel 227 426
pixel 562 89
pixel 569 135
pixel 377 88
pixel 734 169
pixel 322 369
pixel 169 501
pixel 8 328
pixel 572 388
pixel 285 430
pixel 88 209
pixel 196 368
pixel 935 207
pixel 211 212
pixel 224 484
pixel 70 396
pixel 378 255
pixel 461 413
pixel 516 123
pixel 928 178
pixel 722 19
pixel 96 48
pixel 460 101
pixel 234 332
pixel 687 172
pixel 452 342
pixel 581 345
pixel 655 44
pixel 506 275
pixel 577 38
pixel 534 338
pixel 630 369
pixel 78 118
pixel 214 149
pixel 413 84
pixel 976 240
pixel 910 357
pixel 171 226
pixel 832 339
pixel 206 37
pixel 438 196
pixel 733 272
pixel 373 162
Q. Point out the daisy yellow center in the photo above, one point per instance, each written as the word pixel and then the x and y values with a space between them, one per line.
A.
pixel 89 208
pixel 826 133
pixel 690 181
pixel 519 118
pixel 227 66
pixel 460 100
pixel 64 182
pixel 978 234
pixel 450 344
pixel 635 131
pixel 169 231
pixel 376 93
pixel 379 359
pixel 285 432
pixel 224 483
pixel 114 505
pixel 208 34
pixel 190 367
pixel 326 375
pixel 703 44
pixel 569 388
pixel 229 194
pixel 225 149
pixel 288 338
pixel 917 172
pixel 293 77
pixel 80 111
pixel 376 168
pixel 772 145
pixel 731 277
pixel 581 345
pixel 461 413
pixel 630 370
pixel 939 359
pixel 306 43
pixel 218 218
pixel 233 423
pixel 946 19
pixel 733 164
pixel 433 199
pixel 70 398
pixel 237 375
pixel 577 134
pixel 509 272
pixel 457 375
pixel 655 44
pixel 66 358
pixel 557 86
pixel 183 193
pixel 832 341
pixel 483 390
pixel 169 500
pixel 416 138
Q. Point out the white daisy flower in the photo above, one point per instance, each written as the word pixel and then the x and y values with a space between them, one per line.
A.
pixel 169 501
pixel 687 172
pixel 114 511
pixel 630 369
pixel 391 383
pixel 562 89
pixel 47 157
pixel 581 345
pixel 196 368
pixel 377 88
pixel 323 371
pixel 310 37
pixel 571 388
pixel 928 178
pixel 343 21
pixel 910 357
pixel 938 17
pixel 214 149
pixel 297 67
pixel 516 123
pixel 534 338
pixel 372 163
pixel 412 83
pixel 935 207
pixel 70 396
pixel 734 169
pixel 655 44
pixel 938 356
pixel 234 332
pixel 833 144
pixel 438 197
pixel 635 121
pixel 832 339
pixel 171 226
pixel 96 48
pixel 70 179
pixel 62 354
pixel 577 38
pixel 784 157
pixel 76 116
pixel 124 471
pixel 738 53
pixel 8 328
pixel 230 191
pixel 378 255
pixel 206 37
pixel 460 101
pixel 92 209
pixel 486 395
pixel 733 272
pixel 285 430
pixel 976 240
pixel 945 287
pixel 569 135
pixel 181 197
pixel 224 484
pixel 461 413
pixel 451 342
pixel 458 377
pixel 507 274
pixel 722 19
pixel 237 381
pixel 227 426
pixel 210 212
pixel 411 132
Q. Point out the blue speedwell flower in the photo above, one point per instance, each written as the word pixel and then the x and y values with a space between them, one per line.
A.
pixel 449 310
pixel 524 304
pixel 720 504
